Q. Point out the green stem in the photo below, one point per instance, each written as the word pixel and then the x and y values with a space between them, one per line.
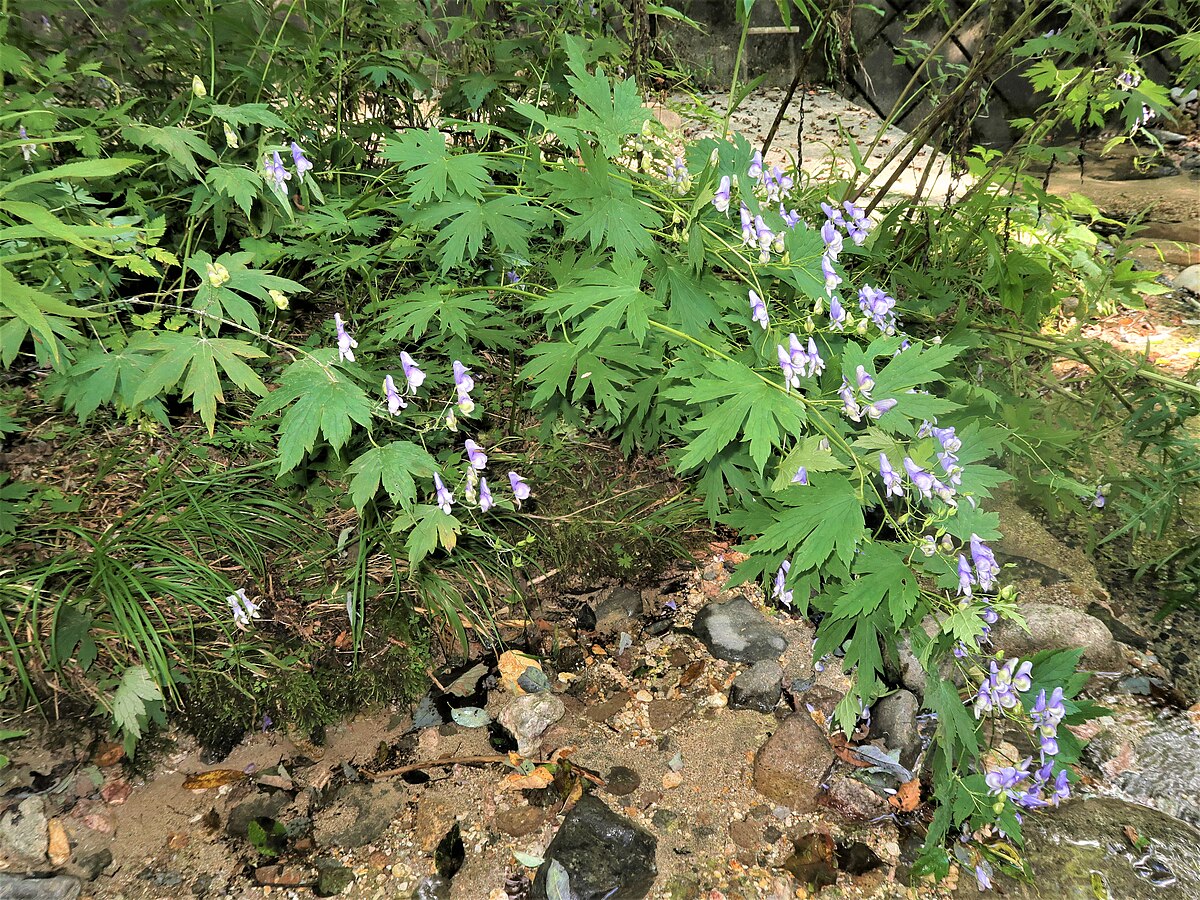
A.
pixel 737 65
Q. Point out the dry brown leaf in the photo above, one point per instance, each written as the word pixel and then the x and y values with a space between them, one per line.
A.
pixel 108 754
pixel 539 778
pixel 845 752
pixel 907 797
pixel 512 665
pixel 214 778
pixel 59 849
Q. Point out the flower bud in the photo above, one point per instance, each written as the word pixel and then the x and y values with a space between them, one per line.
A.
pixel 217 274
pixel 279 297
pixel 231 138
pixel 818 307
pixel 862 326
pixel 198 87
pixel 809 325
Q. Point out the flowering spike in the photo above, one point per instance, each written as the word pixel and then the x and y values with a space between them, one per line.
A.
pixel 394 401
pixel 346 344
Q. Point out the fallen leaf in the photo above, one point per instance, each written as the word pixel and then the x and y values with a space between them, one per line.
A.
pixel 907 796
pixel 59 849
pixel 512 666
pixel 845 752
pixel 108 754
pixel 213 778
pixel 539 778
pixel 116 792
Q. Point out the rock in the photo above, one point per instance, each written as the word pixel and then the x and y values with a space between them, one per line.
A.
pixel 909 672
pixel 435 887
pixel 1188 280
pixel 280 876
pixel 58 846
pixel 665 713
pixel 894 718
pixel 370 809
pixel 520 821
pixel 1054 627
pixel 61 887
pixel 432 821
pixel 527 718
pixel 605 855
pixel 852 802
pixel 758 688
pixel 332 878
pixel 25 830
pixel 1168 138
pixel 746 834
pixel 259 806
pixel 1069 846
pixel 813 863
pixel 602 712
pixel 619 611
pixel 622 781
pixel 91 865
pixel 791 765
pixel 737 632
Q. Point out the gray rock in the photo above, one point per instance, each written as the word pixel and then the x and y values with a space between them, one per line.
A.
pixel 1168 137
pixel 25 830
pixel 527 718
pixel 61 887
pixel 1188 280
pixel 1067 847
pixel 758 688
pixel 622 781
pixel 259 806
pixel 604 854
pixel 89 866
pixel 332 878
pixel 894 719
pixel 376 804
pixel 851 802
pixel 1055 627
pixel 619 611
pixel 737 632
pixel 909 672
pixel 790 767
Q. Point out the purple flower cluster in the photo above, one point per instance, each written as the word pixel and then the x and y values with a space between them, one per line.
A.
pixel 1128 80
pixel 851 397
pixel 678 175
pixel 1029 789
pixel 243 608
pixel 797 362
pixel 774 181
pixel 275 170
pixel 1100 499
pixel 879 308
pixel 1003 686
pixel 1046 714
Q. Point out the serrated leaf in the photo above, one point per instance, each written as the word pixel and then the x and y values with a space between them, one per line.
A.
pixel 826 520
pixel 606 213
pixel 956 728
pixel 395 466
pixel 433 528
pixel 324 402
pixel 808 453
pixel 880 573
pixel 248 114
pixel 239 184
pixel 128 703
pixel 431 167
pixel 182 145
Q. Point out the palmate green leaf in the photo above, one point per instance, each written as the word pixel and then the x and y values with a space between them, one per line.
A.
pixel 956 729
pixel 324 401
pixel 507 219
pixel 606 369
pixel 99 376
pixel 226 300
pixel 764 415
pixel 914 367
pixel 129 703
pixel 248 114
pixel 880 573
pixel 826 520
pixel 393 465
pixel 606 213
pixel 694 302
pixel 409 316
pixel 601 299
pixel 810 454
pixel 237 183
pixel 431 528
pixel 182 145
pixel 431 167
pixel 199 356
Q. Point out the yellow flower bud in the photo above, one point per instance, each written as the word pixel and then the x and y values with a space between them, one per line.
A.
pixel 280 298
pixel 231 137
pixel 217 274
pixel 198 87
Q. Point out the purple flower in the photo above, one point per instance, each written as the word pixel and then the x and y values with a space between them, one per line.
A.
pixel 833 214
pixel 485 496
pixel 982 876
pixel 801 476
pixel 791 217
pixel 519 488
pixel 748 237
pixel 892 482
pixel 512 276
pixel 302 164
pixel 28 149
pixel 477 457
pixel 960 650
pixel 856 227
pixel 946 437
pixel 1023 679
pixel 1062 788
pixel 865 382
pixel 837 315
pixel 242 607
pixel 758 310
pixel 721 197
pixel 276 171
pixel 779 589
pixel 920 478
pixel 394 401
pixel 346 344
pixel 464 384
pixel 1100 498
pixel 832 238
pixel 791 377
pixel 1129 80
pixel 832 278
pixel 879 407
pixel 986 567
pixel 989 615
pixel 878 307
pixel 965 578
pixel 756 165
pixel 445 499
pixel 414 376
pixel 849 405
pixel 1001 781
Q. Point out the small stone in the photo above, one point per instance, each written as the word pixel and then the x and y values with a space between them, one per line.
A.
pixel 116 791
pixel 177 840
pixel 91 865
pixel 746 835
pixel 622 781
pixel 758 688
pixel 520 821
pixel 737 632
pixel 672 780
pixel 852 801
pixel 894 718
pixel 602 712
pixel 664 714
pixel 527 718
pixel 25 830
pixel 791 765
pixel 279 876
pixel 58 847
pixel 332 878
pixel 1188 280
pixel 619 611
pixel 60 887
pixel 644 696
pixel 108 753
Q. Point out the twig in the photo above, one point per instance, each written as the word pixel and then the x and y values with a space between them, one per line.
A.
pixel 440 763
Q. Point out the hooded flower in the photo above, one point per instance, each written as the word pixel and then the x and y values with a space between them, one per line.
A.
pixel 801 476
pixel 445 499
pixel 837 314
pixel 779 589
pixel 302 163
pixel 758 310
pixel 485 496
pixel 477 457
pixel 242 607
pixel 414 376
pixel 463 384
pixel 28 149
pixel 519 488
pixel 892 482
pixel 921 479
pixel 346 344
pixel 721 197
pixel 276 171
pixel 394 401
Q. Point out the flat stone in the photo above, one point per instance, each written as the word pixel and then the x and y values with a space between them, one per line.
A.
pixel 520 821
pixel 60 887
pixel 737 632
pixel 265 806
pixel 665 713
pixel 376 806
pixel 622 781
pixel 25 830
pixel 746 834
pixel 852 802
pixel 1188 280
pixel 602 712
pixel 894 719
pixel 791 765
pixel 619 611
pixel 758 688
pixel 1055 627
pixel 604 854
